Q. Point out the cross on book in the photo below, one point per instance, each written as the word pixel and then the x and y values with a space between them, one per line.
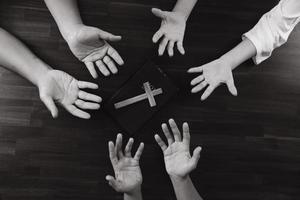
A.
pixel 149 94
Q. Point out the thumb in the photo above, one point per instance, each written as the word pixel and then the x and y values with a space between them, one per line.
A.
pixel 49 103
pixel 196 156
pixel 112 182
pixel 231 87
pixel 158 13
pixel 108 36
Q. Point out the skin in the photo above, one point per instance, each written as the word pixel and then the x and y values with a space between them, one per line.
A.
pixel 89 44
pixel 172 29
pixel 128 177
pixel 53 85
pixel 220 70
pixel 178 161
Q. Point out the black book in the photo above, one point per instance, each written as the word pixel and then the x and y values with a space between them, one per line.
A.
pixel 140 97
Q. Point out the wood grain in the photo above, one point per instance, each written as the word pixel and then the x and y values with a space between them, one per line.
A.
pixel 251 143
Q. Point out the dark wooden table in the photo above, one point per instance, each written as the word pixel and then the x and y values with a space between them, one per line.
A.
pixel 251 143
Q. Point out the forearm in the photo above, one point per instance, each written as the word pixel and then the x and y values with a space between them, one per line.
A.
pixel 185 189
pixel 135 195
pixel 184 7
pixel 16 57
pixel 239 54
pixel 66 15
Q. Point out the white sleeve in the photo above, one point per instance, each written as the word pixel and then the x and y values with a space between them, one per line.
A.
pixel 272 30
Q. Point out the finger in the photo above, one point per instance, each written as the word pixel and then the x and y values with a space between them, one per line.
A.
pixel 157 36
pixel 160 142
pixel 208 92
pixel 89 97
pixel 196 156
pixel 93 57
pixel 91 68
pixel 102 68
pixel 76 112
pixel 108 36
pixel 86 105
pixel 195 70
pixel 49 103
pixel 115 55
pixel 84 84
pixel 197 80
pixel 175 130
pixel 170 48
pixel 186 133
pixel 167 133
pixel 129 147
pixel 158 13
pixel 112 182
pixel 199 87
pixel 110 64
pixel 139 152
pixel 162 46
pixel 231 87
pixel 119 145
pixel 180 47
pixel 112 153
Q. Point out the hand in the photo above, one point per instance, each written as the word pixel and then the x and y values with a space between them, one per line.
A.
pixel 128 176
pixel 59 86
pixel 178 161
pixel 172 28
pixel 213 74
pixel 89 45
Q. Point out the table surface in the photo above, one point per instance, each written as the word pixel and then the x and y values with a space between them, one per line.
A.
pixel 251 143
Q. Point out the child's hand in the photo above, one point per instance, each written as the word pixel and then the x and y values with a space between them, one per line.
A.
pixel 89 45
pixel 128 176
pixel 213 74
pixel 178 161
pixel 172 30
pixel 59 86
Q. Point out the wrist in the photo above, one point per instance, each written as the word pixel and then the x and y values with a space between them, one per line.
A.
pixel 134 194
pixel 181 14
pixel 178 179
pixel 70 32
pixel 179 182
pixel 40 73
pixel 226 60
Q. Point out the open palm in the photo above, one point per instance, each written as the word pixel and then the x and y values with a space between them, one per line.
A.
pixel 178 160
pixel 61 87
pixel 172 30
pixel 128 176
pixel 213 74
pixel 89 45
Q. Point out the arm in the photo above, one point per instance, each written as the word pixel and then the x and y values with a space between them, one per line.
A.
pixel 66 15
pixel 88 44
pixel 178 161
pixel 184 7
pixel 172 27
pixel 272 31
pixel 185 189
pixel 16 57
pixel 53 85
pixel 128 177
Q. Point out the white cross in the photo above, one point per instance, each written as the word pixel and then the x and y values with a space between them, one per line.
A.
pixel 149 94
